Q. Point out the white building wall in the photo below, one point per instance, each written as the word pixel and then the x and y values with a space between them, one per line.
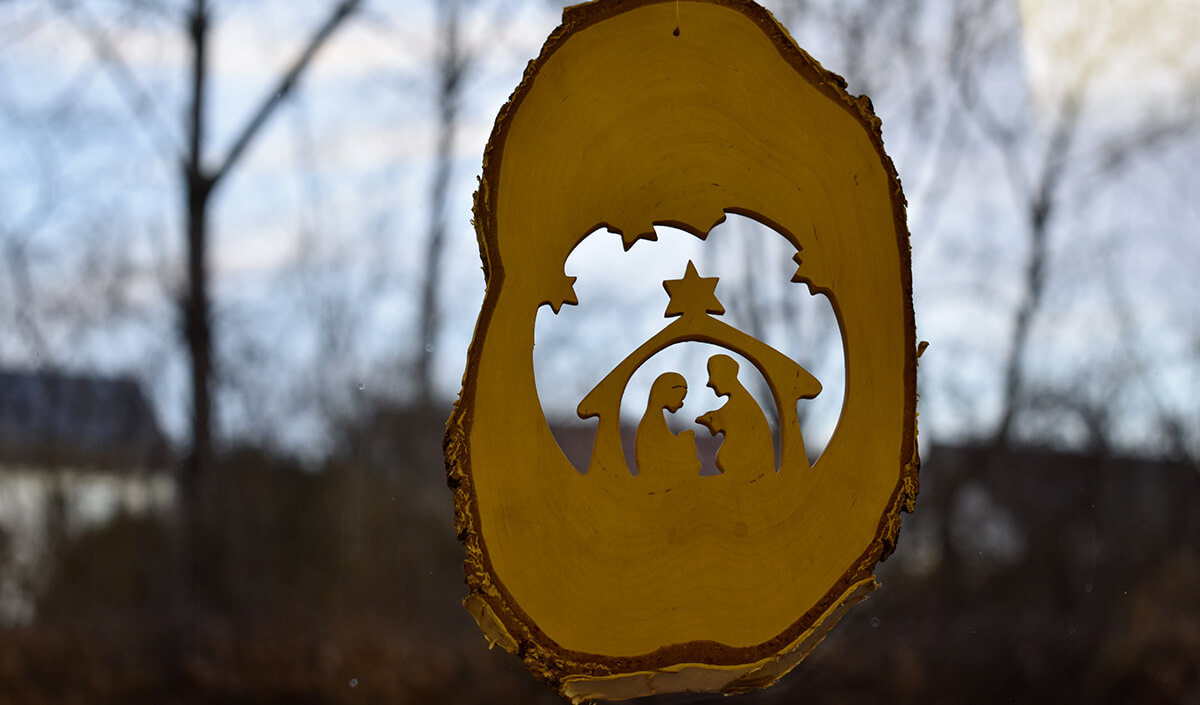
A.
pixel 91 498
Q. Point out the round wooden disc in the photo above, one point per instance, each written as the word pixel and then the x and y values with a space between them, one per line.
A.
pixel 616 585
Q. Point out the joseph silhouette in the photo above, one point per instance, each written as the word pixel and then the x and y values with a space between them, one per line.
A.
pixel 746 451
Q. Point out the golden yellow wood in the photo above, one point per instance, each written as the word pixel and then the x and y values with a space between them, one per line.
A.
pixel 614 583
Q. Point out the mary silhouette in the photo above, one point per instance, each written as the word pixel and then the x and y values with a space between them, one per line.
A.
pixel 659 449
pixel 746 450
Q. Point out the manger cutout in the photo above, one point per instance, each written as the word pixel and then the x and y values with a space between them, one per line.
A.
pixel 611 584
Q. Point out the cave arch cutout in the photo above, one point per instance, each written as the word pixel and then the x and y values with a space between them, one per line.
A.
pixel 621 301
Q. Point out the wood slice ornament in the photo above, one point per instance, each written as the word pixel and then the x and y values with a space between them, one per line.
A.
pixel 611 584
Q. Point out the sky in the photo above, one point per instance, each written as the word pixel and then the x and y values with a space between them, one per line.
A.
pixel 318 234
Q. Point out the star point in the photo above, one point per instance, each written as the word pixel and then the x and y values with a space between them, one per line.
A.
pixel 798 277
pixel 630 237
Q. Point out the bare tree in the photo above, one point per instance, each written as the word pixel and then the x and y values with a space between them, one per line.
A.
pixel 451 63
pixel 1058 153
pixel 454 61
pixel 189 148
pixel 1065 160
pixel 200 182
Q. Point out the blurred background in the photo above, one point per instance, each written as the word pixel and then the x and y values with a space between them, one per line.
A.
pixel 238 279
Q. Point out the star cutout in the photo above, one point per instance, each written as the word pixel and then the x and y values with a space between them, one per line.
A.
pixel 692 294
pixel 564 293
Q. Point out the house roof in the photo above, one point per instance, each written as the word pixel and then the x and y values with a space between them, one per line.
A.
pixel 53 420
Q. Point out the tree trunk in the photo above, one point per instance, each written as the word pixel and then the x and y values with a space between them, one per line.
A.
pixel 450 66
pixel 199 543
pixel 197 319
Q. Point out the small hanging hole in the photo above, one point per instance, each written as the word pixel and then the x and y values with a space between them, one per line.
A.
pixel 676 32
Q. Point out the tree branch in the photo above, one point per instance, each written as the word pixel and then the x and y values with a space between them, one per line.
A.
pixel 132 91
pixel 1041 208
pixel 340 12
